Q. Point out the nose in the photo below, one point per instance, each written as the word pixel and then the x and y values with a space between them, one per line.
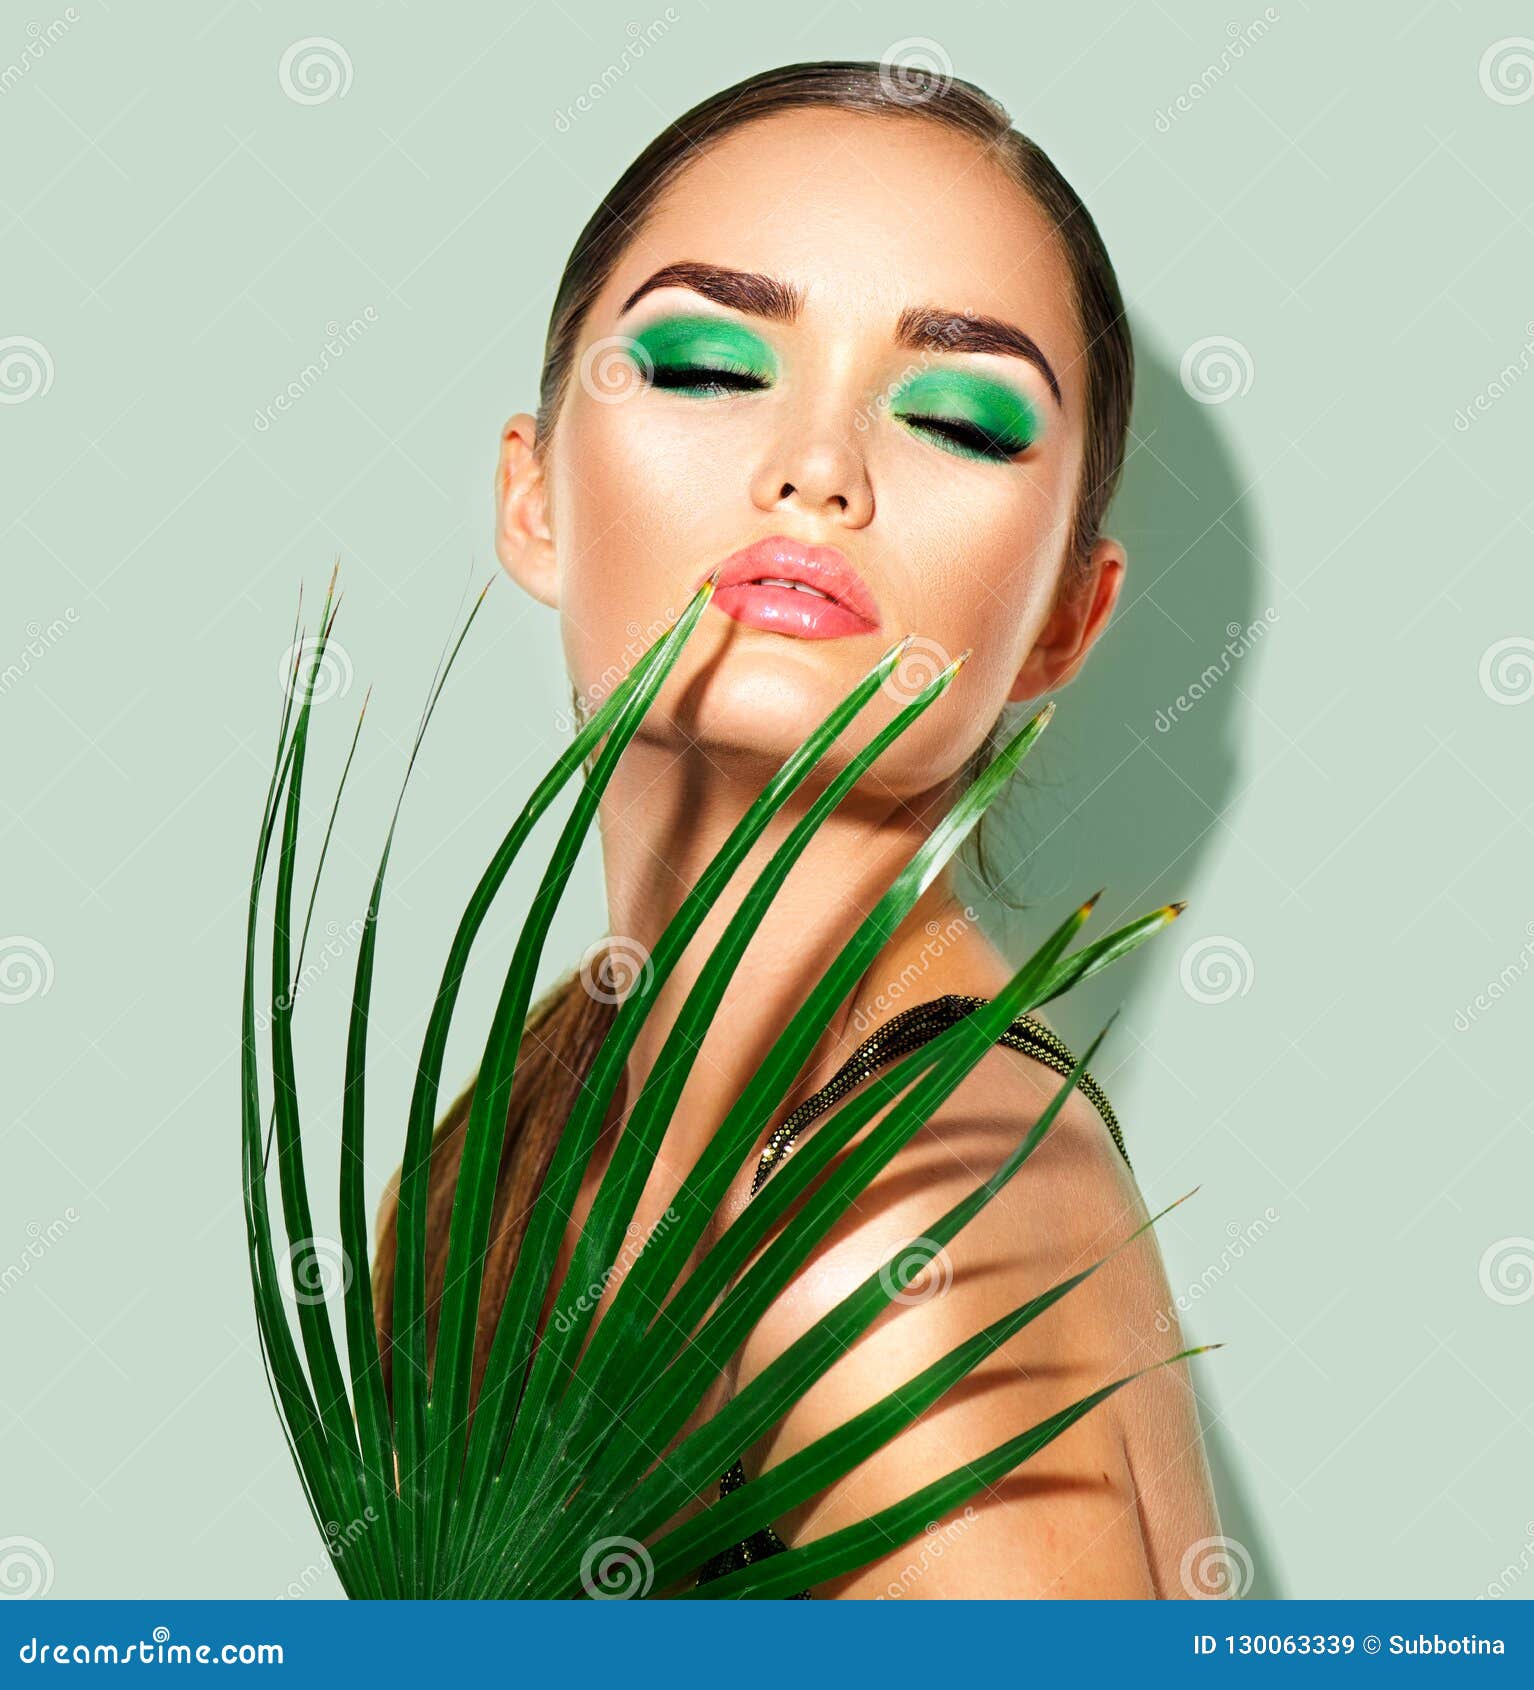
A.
pixel 816 466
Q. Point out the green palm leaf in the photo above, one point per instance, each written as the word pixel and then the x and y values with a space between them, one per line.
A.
pixel 513 1494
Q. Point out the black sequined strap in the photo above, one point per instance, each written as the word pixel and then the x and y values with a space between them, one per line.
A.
pixel 904 1033
pixel 899 1035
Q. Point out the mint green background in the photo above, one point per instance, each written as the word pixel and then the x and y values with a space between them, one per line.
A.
pixel 1348 804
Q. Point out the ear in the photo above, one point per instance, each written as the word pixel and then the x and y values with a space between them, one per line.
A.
pixel 522 538
pixel 1079 616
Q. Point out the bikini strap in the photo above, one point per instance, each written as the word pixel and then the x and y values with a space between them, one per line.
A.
pixel 907 1031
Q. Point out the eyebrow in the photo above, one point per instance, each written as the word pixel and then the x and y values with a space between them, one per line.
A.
pixel 923 328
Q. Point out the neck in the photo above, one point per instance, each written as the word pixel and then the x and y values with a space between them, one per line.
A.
pixel 664 816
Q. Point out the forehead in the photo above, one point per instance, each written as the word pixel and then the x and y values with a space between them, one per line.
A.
pixel 867 215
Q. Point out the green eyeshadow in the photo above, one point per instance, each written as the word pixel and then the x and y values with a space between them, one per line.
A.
pixel 967 413
pixel 701 354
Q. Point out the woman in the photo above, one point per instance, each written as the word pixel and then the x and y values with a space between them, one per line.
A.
pixel 843 332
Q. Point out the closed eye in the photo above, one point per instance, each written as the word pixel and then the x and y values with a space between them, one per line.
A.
pixel 701 378
pixel 968 437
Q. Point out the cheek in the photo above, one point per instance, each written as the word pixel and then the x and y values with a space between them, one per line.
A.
pixel 983 552
pixel 627 518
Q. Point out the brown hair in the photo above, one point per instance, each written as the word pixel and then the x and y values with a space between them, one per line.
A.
pixel 566 1028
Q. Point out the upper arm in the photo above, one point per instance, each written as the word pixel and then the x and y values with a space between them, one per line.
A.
pixel 1066 1522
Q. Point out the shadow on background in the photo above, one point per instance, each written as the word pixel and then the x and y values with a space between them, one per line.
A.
pixel 1126 788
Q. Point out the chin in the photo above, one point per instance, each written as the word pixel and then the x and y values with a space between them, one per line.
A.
pixel 755 701
pixel 746 706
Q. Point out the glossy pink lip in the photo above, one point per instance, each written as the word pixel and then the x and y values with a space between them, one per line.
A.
pixel 742 592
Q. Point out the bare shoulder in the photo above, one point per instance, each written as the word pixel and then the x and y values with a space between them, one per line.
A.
pixel 1102 1510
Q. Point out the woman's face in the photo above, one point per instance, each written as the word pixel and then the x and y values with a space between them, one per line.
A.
pixel 818 367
